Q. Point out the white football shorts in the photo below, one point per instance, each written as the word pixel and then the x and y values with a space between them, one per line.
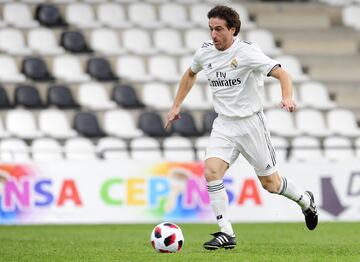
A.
pixel 248 136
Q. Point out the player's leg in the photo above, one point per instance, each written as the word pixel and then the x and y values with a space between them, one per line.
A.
pixel 281 185
pixel 257 149
pixel 220 153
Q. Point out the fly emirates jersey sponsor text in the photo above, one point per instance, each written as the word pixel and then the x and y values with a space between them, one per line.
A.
pixel 234 76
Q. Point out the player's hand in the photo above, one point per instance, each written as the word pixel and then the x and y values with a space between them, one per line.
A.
pixel 173 115
pixel 288 104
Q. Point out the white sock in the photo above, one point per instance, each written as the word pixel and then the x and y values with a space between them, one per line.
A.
pixel 289 190
pixel 219 203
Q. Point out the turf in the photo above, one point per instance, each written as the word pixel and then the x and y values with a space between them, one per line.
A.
pixel 256 242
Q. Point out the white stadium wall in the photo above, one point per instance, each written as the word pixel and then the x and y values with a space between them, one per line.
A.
pixel 140 192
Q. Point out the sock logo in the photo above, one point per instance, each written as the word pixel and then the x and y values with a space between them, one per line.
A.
pixel 219 217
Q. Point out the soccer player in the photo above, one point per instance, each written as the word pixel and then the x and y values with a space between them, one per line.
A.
pixel 234 69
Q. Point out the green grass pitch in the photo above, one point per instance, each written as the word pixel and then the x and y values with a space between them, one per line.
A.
pixel 256 242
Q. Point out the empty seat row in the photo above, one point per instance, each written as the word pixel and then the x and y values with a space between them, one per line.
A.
pixel 171 149
pixel 110 42
pixel 55 123
pixel 164 68
pixel 115 15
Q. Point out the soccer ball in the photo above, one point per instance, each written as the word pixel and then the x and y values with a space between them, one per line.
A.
pixel 167 238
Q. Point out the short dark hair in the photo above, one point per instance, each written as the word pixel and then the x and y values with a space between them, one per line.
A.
pixel 228 14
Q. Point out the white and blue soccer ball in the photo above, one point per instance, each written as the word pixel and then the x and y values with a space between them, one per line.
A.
pixel 167 237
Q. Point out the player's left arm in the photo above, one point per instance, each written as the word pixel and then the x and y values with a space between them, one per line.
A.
pixel 287 101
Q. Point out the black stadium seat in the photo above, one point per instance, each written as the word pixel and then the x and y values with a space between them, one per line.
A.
pixel 87 125
pixel 208 120
pixel 4 99
pixel 27 96
pixel 60 96
pixel 74 41
pixel 100 69
pixel 36 69
pixel 125 96
pixel 151 124
pixel 185 126
pixel 49 15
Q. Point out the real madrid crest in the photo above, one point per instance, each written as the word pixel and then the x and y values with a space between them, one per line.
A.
pixel 234 63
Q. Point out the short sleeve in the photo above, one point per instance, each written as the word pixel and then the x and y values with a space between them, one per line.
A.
pixel 259 61
pixel 196 66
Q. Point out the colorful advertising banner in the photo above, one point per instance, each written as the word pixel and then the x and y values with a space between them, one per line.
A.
pixel 142 192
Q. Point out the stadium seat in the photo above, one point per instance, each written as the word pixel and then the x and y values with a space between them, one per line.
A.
pixel 28 96
pixel 5 102
pixel 3 132
pixel 315 94
pixel 164 68
pixel 143 15
pixel 86 124
pixel 126 97
pixel 338 148
pixel 194 38
pixel 306 149
pixel 46 149
pixel 152 125
pixel 174 15
pixel 12 42
pixel 111 148
pixel 281 148
pixel 113 15
pixel 274 95
pixel 94 96
pixel 357 147
pixel 106 41
pixel 246 23
pixel 145 149
pixel 208 120
pixel 100 69
pixel 169 41
pixel 178 149
pixel 9 72
pixel 79 149
pixel 343 122
pixel 19 15
pixel 21 123
pixel 265 40
pixel 185 126
pixel 312 122
pixel 132 68
pixel 292 65
pixel 185 63
pixel 61 97
pixel 14 150
pixel 36 69
pixel 195 99
pixel 49 15
pixel 351 16
pixel 81 15
pixel 281 123
pixel 54 123
pixel 43 41
pixel 198 15
pixel 138 41
pixel 69 69
pixel 121 123
pixel 200 146
pixel 157 95
pixel 74 42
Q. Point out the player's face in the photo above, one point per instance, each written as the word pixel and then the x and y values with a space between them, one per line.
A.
pixel 220 34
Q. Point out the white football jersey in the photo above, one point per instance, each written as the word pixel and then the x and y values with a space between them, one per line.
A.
pixel 234 76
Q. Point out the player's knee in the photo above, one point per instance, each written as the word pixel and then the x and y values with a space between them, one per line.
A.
pixel 270 186
pixel 212 174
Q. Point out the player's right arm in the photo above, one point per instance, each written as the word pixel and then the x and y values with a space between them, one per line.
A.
pixel 186 83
